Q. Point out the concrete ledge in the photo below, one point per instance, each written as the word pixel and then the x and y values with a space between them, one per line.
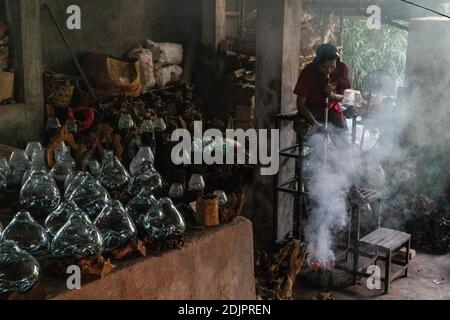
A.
pixel 215 264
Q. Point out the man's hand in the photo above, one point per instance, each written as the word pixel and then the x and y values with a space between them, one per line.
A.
pixel 329 89
pixel 320 129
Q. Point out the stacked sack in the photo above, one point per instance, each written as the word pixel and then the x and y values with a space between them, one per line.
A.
pixel 160 64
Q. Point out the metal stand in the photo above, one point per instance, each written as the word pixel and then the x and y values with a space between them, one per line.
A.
pixel 296 184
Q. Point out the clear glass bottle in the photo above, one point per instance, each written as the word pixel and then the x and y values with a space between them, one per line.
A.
pixel 3 186
pixel 140 205
pixel 88 194
pixel 126 122
pixel 164 221
pixel 145 154
pixel 176 191
pixel 19 271
pixel 61 170
pixel 78 237
pixel 40 192
pixel 197 183
pixel 31 147
pixel 150 180
pixel 38 163
pixel 29 235
pixel 223 199
pixel 4 166
pixel 113 176
pixel 58 218
pixel 116 226
pixel 19 164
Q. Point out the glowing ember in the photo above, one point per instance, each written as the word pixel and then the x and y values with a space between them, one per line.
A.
pixel 315 266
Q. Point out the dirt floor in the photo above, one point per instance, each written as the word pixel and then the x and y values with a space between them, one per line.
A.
pixel 429 279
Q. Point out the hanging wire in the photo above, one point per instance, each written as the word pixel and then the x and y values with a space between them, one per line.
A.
pixel 425 8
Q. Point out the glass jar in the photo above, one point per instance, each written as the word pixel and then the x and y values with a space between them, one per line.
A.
pixel 116 226
pixel 126 122
pixel 88 194
pixel 78 237
pixel 61 170
pixel 40 192
pixel 113 176
pixel 18 164
pixel 32 147
pixel 164 221
pixel 197 183
pixel 140 205
pixel 149 180
pixel 28 234
pixel 19 271
pixel 145 154
pixel 176 191
pixel 223 199
pixel 58 218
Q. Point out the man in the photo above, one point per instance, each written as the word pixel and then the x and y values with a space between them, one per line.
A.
pixel 323 81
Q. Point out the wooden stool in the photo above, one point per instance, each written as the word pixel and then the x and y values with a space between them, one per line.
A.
pixel 386 241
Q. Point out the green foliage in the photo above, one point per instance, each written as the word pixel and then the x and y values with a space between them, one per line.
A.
pixel 368 50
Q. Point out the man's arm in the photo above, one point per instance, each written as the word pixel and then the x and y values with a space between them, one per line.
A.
pixel 305 112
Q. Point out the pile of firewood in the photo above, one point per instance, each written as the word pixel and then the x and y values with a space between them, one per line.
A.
pixel 275 278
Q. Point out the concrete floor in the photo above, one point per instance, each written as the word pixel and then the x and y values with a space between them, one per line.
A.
pixel 418 286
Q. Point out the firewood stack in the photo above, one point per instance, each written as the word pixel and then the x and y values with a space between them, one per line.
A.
pixel 239 92
pixel 276 279
pixel 6 76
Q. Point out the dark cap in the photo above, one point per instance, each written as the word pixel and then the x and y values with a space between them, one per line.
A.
pixel 326 52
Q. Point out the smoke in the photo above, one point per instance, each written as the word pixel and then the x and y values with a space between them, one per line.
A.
pixel 406 150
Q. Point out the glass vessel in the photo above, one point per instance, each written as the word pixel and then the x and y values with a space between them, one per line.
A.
pixel 69 179
pixel 52 124
pixel 126 122
pixel 58 218
pixel 113 176
pixel 93 166
pixel 62 170
pixel 223 199
pixel 31 147
pixel 164 221
pixel 159 125
pixel 72 126
pixel 19 271
pixel 3 186
pixel 116 226
pixel 18 164
pixel 147 127
pixel 28 234
pixel 140 205
pixel 176 191
pixel 88 194
pixel 150 180
pixel 78 237
pixel 38 163
pixel 145 154
pixel 4 167
pixel 197 183
pixel 40 192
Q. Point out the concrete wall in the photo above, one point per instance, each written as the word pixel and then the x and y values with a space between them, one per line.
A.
pixel 215 264
pixel 116 26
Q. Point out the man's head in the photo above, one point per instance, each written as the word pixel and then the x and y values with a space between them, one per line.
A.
pixel 327 57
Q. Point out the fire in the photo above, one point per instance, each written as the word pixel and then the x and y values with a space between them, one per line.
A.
pixel 315 266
